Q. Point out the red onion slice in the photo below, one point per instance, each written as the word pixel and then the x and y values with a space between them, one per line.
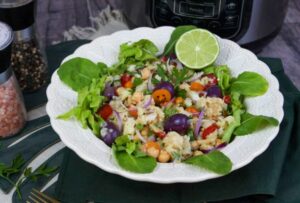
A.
pixel 148 103
pixel 119 120
pixel 168 66
pixel 150 86
pixel 169 102
pixel 220 146
pixel 198 124
pixel 151 138
pixel 196 76
pixel 140 136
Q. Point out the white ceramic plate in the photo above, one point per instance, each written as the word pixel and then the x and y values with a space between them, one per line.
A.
pixel 105 49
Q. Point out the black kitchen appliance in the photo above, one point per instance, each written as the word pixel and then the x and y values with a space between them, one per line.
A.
pixel 251 23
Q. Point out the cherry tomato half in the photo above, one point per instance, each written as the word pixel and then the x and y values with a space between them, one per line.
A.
pixel 105 111
pixel 125 78
pixel 227 99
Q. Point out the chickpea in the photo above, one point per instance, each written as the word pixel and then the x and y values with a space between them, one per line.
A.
pixel 145 73
pixel 197 153
pixel 164 156
pixel 153 152
pixel 195 145
pixel 205 147
pixel 137 97
pixel 145 131
pixel 218 141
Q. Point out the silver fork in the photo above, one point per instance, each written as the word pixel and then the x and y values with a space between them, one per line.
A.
pixel 39 197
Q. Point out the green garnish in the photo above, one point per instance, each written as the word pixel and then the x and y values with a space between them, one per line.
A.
pixel 128 156
pixel 137 82
pixel 139 126
pixel 89 101
pixel 214 161
pixel 250 84
pixel 78 73
pixel 169 111
pixel 251 123
pixel 7 171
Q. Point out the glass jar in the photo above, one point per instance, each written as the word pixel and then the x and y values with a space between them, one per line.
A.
pixel 28 59
pixel 12 109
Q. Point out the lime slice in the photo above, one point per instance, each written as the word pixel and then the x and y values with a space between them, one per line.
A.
pixel 197 48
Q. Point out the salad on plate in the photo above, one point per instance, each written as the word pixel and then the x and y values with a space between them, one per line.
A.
pixel 175 107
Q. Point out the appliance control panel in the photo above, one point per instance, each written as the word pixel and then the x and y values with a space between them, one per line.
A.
pixel 223 17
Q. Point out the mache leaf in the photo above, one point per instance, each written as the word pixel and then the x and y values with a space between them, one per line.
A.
pixel 250 84
pixel 214 161
pixel 251 123
pixel 78 73
pixel 136 164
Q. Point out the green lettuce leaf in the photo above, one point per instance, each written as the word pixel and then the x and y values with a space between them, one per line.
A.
pixel 222 73
pixel 228 133
pixel 89 100
pixel 137 52
pixel 214 161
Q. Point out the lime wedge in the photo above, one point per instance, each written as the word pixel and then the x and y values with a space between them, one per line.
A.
pixel 197 48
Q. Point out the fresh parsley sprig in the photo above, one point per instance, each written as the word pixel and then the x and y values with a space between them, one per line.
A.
pixel 7 171
pixel 177 76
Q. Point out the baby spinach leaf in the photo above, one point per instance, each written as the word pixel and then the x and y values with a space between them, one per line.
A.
pixel 214 161
pixel 251 123
pixel 176 34
pixel 250 84
pixel 78 73
pixel 136 164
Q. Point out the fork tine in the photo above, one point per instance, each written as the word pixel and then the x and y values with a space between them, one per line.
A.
pixel 38 193
pixel 36 199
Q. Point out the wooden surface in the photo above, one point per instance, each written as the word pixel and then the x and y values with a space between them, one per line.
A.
pixel 55 16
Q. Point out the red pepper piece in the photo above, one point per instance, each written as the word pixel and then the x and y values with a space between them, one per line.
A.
pixel 209 130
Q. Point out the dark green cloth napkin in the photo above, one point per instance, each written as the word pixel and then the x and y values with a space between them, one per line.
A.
pixel 263 179
pixel 36 137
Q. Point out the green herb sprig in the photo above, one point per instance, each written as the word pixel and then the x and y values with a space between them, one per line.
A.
pixel 7 171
